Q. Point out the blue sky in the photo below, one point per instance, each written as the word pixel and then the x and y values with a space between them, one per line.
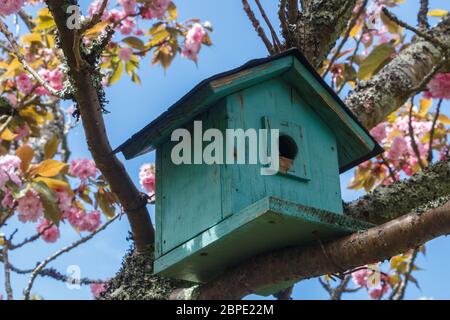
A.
pixel 133 106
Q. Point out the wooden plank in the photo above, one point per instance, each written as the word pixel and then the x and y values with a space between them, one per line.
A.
pixel 267 225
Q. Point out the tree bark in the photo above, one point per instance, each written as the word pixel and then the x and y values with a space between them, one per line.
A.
pixel 373 100
pixel 373 245
pixel 389 202
pixel 318 27
pixel 87 97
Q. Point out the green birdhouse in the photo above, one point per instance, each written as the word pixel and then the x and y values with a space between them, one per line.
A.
pixel 212 214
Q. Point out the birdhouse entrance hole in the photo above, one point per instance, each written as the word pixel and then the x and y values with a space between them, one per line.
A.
pixel 288 150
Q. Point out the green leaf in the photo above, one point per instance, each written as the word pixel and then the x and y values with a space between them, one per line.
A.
pixel 172 10
pixel 391 25
pixel 134 42
pixel 117 74
pixel 49 201
pixel 159 37
pixel 375 60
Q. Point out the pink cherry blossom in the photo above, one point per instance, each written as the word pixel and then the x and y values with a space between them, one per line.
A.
pixel 360 277
pixel 30 207
pixel 24 83
pixel 125 54
pixel 9 170
pixel 54 78
pixel 64 200
pixel 90 222
pixel 398 148
pixel 129 6
pixel 50 232
pixel 379 132
pixel 439 86
pixel 8 199
pixel 97 289
pixel 83 168
pixel 74 215
pixel 95 6
pixel 192 44
pixel 147 178
pixel 127 26
pixel 83 221
pixel 156 9
pixel 377 293
pixel 8 7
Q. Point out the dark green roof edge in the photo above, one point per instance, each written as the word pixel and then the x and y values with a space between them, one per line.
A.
pixel 205 85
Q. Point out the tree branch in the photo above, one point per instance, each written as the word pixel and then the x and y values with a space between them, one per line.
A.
pixel 319 27
pixel 26 66
pixel 6 268
pixel 54 256
pixel 389 202
pixel 358 249
pixel 422 16
pixel 376 98
pixel 432 131
pixel 90 99
pixel 258 28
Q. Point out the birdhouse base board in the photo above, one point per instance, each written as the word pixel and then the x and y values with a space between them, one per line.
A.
pixel 265 226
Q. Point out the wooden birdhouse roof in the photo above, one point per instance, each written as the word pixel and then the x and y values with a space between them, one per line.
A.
pixel 355 145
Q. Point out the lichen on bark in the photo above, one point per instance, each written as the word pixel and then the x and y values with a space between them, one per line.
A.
pixel 389 202
pixel 385 92
pixel 136 281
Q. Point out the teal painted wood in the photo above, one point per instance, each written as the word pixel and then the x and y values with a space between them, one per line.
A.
pixel 275 100
pixel 354 143
pixel 264 226
pixel 190 201
pixel 205 98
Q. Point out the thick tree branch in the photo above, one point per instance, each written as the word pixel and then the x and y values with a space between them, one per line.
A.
pixel 319 27
pixel 376 98
pixel 88 97
pixel 373 245
pixel 389 202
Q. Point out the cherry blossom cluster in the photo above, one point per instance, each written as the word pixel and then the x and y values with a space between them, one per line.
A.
pixel 439 87
pixel 147 178
pixel 97 289
pixel 8 7
pixel 28 203
pixel 376 283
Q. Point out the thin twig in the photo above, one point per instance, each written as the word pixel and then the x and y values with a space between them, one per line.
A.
pixel 422 16
pixel 350 26
pixel 251 15
pixel 433 128
pixel 96 18
pixel 412 136
pixel 42 265
pixel 421 34
pixel 269 24
pixel 26 19
pixel 30 239
pixel 6 268
pixel 422 85
pixel 16 51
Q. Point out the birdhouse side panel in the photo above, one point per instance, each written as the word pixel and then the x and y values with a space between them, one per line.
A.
pixel 276 105
pixel 189 195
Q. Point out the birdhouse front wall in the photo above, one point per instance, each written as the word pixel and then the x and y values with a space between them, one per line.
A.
pixel 193 198
pixel 312 180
